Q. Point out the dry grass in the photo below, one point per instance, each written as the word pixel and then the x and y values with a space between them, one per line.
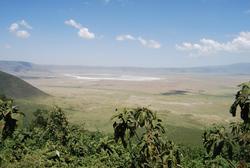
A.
pixel 206 100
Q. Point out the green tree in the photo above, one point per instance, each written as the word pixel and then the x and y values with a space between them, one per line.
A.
pixel 141 131
pixel 225 145
pixel 242 99
pixel 217 141
pixel 7 109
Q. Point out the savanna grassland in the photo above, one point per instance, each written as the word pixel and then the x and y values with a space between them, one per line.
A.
pixel 90 119
pixel 187 103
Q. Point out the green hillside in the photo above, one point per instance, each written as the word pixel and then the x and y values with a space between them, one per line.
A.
pixel 14 87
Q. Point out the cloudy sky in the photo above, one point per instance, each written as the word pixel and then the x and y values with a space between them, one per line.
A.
pixel 146 33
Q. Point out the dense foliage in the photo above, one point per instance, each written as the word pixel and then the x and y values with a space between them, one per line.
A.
pixel 231 143
pixel 149 149
pixel 242 99
pixel 139 140
pixel 51 142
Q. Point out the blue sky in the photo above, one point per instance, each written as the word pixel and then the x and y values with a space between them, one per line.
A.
pixel 146 33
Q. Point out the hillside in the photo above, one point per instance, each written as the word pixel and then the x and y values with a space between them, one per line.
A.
pixel 15 87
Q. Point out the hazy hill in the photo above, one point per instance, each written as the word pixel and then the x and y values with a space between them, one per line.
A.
pixel 239 68
pixel 235 69
pixel 15 66
pixel 14 87
pixel 20 68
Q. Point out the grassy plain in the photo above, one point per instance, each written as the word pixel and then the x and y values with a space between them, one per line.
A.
pixel 187 103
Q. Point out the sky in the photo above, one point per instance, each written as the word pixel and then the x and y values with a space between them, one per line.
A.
pixel 143 33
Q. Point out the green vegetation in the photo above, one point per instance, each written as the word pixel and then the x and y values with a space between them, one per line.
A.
pixel 231 144
pixel 139 140
pixel 15 87
pixel 149 149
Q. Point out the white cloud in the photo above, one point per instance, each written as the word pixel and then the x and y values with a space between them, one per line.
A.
pixel 83 31
pixel 71 22
pixel 241 43
pixel 20 29
pixel 125 37
pixel 13 27
pixel 147 43
pixel 22 34
pixel 25 24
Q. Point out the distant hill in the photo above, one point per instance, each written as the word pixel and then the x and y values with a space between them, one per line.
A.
pixel 21 69
pixel 235 69
pixel 14 87
pixel 18 68
pixel 239 68
pixel 15 66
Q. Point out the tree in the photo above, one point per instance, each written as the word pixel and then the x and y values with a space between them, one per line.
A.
pixel 217 141
pixel 242 99
pixel 241 131
pixel 234 143
pixel 141 131
pixel 7 108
